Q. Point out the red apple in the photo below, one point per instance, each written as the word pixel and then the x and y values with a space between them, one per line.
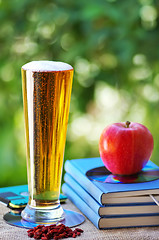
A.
pixel 125 148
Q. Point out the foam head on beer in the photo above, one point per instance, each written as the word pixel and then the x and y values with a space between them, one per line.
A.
pixel 41 66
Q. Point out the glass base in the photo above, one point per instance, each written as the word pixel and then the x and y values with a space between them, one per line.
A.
pixel 43 215
pixel 71 219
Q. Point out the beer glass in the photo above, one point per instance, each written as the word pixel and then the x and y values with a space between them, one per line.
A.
pixel 46 99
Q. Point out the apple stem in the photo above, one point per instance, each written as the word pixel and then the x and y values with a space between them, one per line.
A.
pixel 127 124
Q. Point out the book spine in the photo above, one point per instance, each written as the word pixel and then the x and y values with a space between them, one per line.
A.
pixel 82 193
pixel 84 181
pixel 81 205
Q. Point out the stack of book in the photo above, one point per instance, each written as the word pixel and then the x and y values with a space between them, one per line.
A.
pixel 111 205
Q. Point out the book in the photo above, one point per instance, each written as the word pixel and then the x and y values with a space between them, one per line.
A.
pixel 16 197
pixel 109 222
pixel 109 209
pixel 107 192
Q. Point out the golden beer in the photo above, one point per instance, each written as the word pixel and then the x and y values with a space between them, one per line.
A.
pixel 46 99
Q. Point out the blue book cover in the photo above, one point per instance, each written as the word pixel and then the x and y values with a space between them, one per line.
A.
pixel 78 168
pixel 16 197
pixel 111 209
pixel 110 222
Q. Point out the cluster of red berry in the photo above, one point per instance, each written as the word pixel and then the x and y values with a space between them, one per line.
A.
pixel 53 232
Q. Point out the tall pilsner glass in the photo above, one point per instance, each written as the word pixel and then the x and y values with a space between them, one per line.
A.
pixel 46 99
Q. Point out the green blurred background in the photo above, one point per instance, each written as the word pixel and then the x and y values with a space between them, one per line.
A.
pixel 114 49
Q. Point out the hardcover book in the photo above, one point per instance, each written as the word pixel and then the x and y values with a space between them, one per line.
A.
pixel 111 209
pixel 110 222
pixel 105 193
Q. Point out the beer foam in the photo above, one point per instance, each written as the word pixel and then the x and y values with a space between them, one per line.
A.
pixel 41 66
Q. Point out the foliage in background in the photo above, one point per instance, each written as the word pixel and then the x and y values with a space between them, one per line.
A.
pixel 113 46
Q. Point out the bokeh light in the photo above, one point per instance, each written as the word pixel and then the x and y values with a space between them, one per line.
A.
pixel 113 47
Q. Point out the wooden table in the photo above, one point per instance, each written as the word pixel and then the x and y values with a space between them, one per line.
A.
pixel 8 232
